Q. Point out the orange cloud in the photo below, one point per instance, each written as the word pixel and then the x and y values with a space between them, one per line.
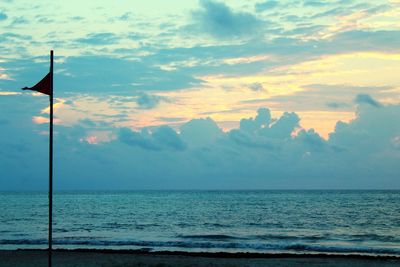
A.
pixel 58 105
pixel 8 93
pixel 42 120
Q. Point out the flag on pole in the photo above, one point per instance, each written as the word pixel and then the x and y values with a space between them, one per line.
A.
pixel 44 86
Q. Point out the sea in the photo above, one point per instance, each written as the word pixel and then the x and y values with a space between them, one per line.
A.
pixel 328 222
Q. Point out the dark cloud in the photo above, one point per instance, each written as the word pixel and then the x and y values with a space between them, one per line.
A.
pixel 363 40
pixel 306 30
pixel 135 36
pixel 332 12
pixel 104 38
pixel 121 75
pixel 98 74
pixel 126 16
pixel 13 37
pixel 160 139
pixel 374 129
pixel 133 138
pixel 323 97
pixel 200 132
pixel 337 105
pixel 3 16
pixel 256 87
pixel 283 127
pixel 43 19
pixel 263 119
pixel 148 101
pixel 348 7
pixel 77 18
pixel 312 140
pixel 314 3
pixel 19 21
pixel 367 99
pixel 266 5
pixel 265 132
pixel 245 139
pixel 219 20
pixel 167 137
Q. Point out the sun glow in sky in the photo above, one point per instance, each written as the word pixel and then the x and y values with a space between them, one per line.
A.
pixel 139 65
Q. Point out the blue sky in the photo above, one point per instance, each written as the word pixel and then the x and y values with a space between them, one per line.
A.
pixel 202 94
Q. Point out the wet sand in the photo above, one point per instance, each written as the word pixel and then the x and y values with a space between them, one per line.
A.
pixel 89 258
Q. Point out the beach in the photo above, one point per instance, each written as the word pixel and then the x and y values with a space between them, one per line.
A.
pixel 88 258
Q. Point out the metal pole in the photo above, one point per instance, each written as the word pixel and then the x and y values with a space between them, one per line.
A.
pixel 51 163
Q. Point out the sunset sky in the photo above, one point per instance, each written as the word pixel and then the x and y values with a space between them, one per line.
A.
pixel 165 94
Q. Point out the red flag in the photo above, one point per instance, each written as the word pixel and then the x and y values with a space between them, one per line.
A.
pixel 44 86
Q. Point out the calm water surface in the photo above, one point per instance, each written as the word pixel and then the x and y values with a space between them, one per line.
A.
pixel 359 222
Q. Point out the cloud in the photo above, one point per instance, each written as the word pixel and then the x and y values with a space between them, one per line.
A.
pixel 126 16
pixel 311 140
pixel 19 21
pixel 105 74
pixel 147 101
pixel 264 152
pixel 3 16
pixel 371 132
pixel 283 127
pixel 200 132
pixel 337 105
pixel 99 74
pixel 266 5
pixel 167 137
pixel 367 99
pixel 263 119
pixel 159 63
pixel 160 139
pixel 45 20
pixel 133 138
pixel 13 37
pixel 220 21
pixel 104 38
pixel 77 18
pixel 314 3
pixel 324 96
pixel 264 132
pixel 256 87
pixel 364 40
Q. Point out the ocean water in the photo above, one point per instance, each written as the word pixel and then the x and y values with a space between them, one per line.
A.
pixel 350 222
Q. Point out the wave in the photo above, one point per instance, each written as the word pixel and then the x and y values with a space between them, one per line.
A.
pixel 216 225
pixel 376 237
pixel 220 246
pixel 325 237
pixel 290 237
pixel 209 237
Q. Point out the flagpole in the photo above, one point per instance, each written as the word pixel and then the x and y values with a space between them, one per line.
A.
pixel 51 163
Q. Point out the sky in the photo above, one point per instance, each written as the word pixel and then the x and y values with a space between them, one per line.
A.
pixel 202 94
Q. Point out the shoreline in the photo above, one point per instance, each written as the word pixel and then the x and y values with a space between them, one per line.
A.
pixel 233 255
pixel 108 257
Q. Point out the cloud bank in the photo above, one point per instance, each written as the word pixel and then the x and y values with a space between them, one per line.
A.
pixel 264 152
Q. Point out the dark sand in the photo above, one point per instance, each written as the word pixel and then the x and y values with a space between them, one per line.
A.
pixel 89 258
